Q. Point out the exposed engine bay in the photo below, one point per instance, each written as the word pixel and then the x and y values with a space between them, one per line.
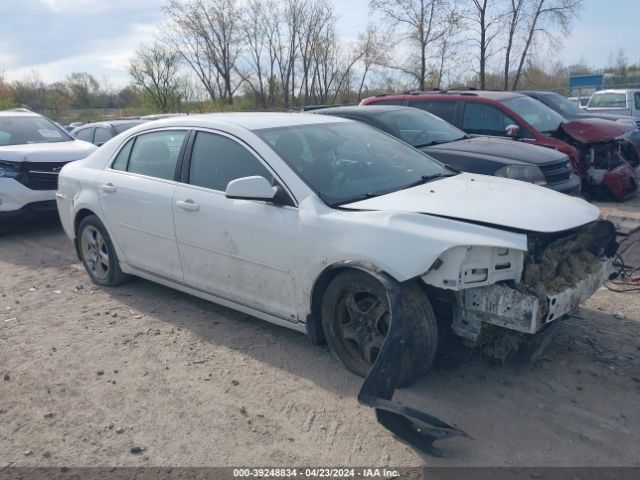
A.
pixel 560 271
pixel 605 167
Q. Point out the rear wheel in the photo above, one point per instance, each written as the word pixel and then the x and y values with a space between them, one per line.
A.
pixel 356 319
pixel 98 254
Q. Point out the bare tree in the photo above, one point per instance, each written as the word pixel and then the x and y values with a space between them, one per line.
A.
pixel 83 88
pixel 371 50
pixel 206 34
pixel 485 20
pixel 514 16
pixel 545 16
pixel 425 22
pixel 155 69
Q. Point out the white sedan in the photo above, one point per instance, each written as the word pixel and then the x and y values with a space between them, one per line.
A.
pixel 320 224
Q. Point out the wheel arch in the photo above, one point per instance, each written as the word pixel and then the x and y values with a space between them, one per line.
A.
pixel 314 321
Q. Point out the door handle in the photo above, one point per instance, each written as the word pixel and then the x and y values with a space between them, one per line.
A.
pixel 108 188
pixel 188 205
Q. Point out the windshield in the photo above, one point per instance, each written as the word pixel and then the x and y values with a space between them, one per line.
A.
pixel 419 128
pixel 348 161
pixel 21 130
pixel 608 100
pixel 536 114
pixel 562 104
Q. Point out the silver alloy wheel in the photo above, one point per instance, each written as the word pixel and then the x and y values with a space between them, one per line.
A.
pixel 94 252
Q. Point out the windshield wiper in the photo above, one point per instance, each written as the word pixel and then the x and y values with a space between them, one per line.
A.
pixel 428 178
pixel 434 142
pixel 364 196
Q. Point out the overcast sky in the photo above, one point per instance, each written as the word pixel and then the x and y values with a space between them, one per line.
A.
pixel 57 37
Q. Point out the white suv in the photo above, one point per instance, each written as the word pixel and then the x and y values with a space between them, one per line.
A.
pixel 33 150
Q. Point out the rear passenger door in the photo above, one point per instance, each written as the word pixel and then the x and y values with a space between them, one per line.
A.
pixel 136 195
pixel 238 250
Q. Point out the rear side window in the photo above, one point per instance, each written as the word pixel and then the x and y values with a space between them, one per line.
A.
pixel 120 163
pixel 636 99
pixel 481 119
pixel 216 160
pixel 156 154
pixel 443 109
pixel 102 135
pixel 86 135
pixel 608 100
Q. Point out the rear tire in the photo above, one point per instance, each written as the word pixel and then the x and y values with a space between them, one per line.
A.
pixel 355 319
pixel 98 254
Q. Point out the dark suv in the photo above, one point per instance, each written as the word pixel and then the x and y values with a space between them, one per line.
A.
pixel 593 145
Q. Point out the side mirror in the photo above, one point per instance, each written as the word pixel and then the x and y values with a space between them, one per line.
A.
pixel 512 131
pixel 251 188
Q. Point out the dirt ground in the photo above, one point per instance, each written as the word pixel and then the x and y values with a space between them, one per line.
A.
pixel 88 373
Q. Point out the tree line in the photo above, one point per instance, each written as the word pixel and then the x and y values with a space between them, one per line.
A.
pixel 288 53
pixel 270 54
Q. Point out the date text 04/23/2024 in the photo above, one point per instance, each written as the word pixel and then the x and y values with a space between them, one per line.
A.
pixel 315 473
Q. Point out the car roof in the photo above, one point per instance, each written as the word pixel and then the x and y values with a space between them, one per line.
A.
pixel 466 93
pixel 247 120
pixel 108 123
pixel 369 110
pixel 617 90
pixel 18 112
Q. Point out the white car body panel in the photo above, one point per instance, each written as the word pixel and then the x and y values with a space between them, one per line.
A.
pixel 264 259
pixel 15 195
pixel 489 200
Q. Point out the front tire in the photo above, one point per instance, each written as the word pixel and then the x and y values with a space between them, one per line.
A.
pixel 98 254
pixel 355 317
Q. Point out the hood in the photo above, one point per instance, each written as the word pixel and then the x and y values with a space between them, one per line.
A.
pixel 489 200
pixel 47 152
pixel 606 116
pixel 501 150
pixel 593 130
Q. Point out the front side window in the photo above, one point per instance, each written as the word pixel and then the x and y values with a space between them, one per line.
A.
pixel 636 99
pixel 481 119
pixel 216 160
pixel 156 154
pixel 22 130
pixel 535 113
pixel 348 161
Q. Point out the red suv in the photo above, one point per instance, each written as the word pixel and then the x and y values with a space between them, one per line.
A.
pixel 592 144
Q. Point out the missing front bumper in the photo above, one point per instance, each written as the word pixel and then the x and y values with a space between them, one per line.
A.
pixel 503 306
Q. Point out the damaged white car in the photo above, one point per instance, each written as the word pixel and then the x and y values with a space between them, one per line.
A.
pixel 331 227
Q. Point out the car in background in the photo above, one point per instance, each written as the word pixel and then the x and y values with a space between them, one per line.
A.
pixel 593 145
pixel 33 150
pixel 99 133
pixel 569 111
pixel 616 101
pixel 580 102
pixel 467 153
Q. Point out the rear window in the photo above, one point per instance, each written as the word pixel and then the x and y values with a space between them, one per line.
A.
pixel 608 100
pixel 21 130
